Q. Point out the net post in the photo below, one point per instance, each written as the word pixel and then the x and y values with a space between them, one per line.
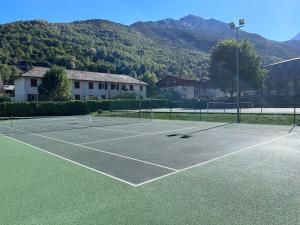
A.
pixel 90 121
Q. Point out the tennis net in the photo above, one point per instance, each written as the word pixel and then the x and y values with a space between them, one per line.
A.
pixel 46 124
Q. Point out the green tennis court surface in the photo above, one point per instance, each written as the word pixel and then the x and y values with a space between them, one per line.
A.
pixel 149 172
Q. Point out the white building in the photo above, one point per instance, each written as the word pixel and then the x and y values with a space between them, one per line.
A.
pixel 188 88
pixel 85 85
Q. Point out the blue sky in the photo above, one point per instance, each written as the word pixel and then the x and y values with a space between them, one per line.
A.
pixel 275 19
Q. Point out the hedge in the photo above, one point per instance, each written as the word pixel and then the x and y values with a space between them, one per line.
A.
pixel 74 107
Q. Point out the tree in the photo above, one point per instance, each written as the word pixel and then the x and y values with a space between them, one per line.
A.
pixel 151 80
pixel 55 85
pixel 9 73
pixel 222 69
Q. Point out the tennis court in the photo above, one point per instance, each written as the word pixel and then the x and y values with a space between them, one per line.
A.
pixel 139 151
pixel 83 170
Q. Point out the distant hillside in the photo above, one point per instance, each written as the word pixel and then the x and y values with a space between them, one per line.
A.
pixel 94 45
pixel 177 47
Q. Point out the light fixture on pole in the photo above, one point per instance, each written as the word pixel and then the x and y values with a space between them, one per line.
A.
pixel 236 28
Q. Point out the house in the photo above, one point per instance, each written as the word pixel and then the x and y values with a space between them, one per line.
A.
pixel 9 89
pixel 188 88
pixel 283 79
pixel 85 85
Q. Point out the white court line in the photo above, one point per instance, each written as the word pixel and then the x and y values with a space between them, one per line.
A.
pixel 215 159
pixel 76 163
pixel 98 150
pixel 138 135
pixel 290 150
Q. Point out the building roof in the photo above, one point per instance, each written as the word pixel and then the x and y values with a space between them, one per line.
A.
pixel 282 62
pixel 39 72
pixel 171 81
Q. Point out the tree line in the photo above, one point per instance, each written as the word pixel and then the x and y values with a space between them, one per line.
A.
pixel 102 46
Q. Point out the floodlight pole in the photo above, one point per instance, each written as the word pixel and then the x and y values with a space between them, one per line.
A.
pixel 236 28
pixel 140 53
pixel 238 117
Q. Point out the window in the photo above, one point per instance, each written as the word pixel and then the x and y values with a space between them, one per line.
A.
pixel 131 87
pixel 77 97
pixel 105 86
pixel 103 96
pixel 141 88
pixel 112 86
pixel 33 82
pixel 91 85
pixel 118 87
pixel 100 86
pixel 77 85
pixel 123 87
pixel 32 97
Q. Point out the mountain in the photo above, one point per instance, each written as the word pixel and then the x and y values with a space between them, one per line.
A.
pixel 297 37
pixel 177 47
pixel 197 33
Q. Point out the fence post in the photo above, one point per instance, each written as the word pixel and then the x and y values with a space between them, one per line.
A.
pixel 295 123
pixel 200 114
pixel 4 108
pixel 170 105
pixel 61 108
pixel 151 110
pixel 127 107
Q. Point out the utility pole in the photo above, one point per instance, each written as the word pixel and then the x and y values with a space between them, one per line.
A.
pixel 236 28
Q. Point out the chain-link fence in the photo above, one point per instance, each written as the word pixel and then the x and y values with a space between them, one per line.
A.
pixel 283 112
